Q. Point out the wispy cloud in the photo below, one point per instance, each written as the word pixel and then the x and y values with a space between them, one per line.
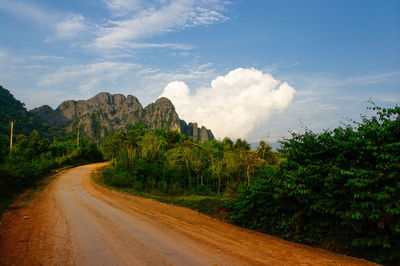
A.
pixel 321 81
pixel 71 26
pixel 61 26
pixel 123 7
pixel 47 57
pixel 143 45
pixel 28 11
pixel 200 72
pixel 133 22
pixel 154 20
pixel 367 79
pixel 87 77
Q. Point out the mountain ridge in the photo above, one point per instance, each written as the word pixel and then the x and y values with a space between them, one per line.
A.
pixel 105 113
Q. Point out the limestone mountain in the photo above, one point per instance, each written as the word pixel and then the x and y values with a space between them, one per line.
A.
pixel 105 113
pixel 162 114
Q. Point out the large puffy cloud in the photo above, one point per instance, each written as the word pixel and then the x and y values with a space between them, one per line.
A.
pixel 234 104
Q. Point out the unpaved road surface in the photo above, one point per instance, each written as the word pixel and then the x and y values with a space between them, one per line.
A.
pixel 74 221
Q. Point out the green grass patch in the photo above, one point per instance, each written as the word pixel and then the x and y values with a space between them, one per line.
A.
pixel 212 206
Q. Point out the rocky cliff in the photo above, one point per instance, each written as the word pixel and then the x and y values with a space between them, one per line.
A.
pixel 105 113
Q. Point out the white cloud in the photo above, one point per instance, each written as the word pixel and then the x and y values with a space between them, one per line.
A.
pixel 132 23
pixel 154 20
pixel 71 26
pixel 234 104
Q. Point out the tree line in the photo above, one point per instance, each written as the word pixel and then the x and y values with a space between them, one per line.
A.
pixel 169 162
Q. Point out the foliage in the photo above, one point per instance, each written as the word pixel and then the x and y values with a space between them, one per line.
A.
pixel 167 161
pixel 340 186
pixel 33 158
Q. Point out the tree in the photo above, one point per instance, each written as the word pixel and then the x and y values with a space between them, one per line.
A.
pixel 264 151
pixel 152 146
pixel 249 160
pixel 241 145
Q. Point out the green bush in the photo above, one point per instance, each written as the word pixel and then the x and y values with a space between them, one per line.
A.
pixel 117 177
pixel 339 186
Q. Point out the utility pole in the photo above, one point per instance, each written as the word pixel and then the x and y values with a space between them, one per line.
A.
pixel 77 139
pixel 12 122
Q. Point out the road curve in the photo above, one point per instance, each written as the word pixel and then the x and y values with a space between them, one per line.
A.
pixel 77 222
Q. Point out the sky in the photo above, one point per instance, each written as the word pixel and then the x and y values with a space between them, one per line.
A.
pixel 254 69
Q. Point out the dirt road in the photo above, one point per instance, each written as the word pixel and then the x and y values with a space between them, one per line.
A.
pixel 77 222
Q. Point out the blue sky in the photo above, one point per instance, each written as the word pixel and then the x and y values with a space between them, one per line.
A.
pixel 221 62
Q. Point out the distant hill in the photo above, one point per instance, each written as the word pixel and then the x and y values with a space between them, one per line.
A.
pixel 11 108
pixel 105 113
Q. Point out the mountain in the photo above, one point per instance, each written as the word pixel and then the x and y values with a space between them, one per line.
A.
pixel 162 114
pixel 105 113
pixel 53 117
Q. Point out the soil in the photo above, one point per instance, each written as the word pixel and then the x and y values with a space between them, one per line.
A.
pixel 74 221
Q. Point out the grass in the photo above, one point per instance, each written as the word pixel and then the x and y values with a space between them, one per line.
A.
pixel 211 206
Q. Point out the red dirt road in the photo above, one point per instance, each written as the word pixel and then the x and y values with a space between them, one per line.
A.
pixel 77 222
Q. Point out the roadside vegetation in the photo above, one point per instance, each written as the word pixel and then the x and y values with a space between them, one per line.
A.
pixel 338 189
pixel 34 158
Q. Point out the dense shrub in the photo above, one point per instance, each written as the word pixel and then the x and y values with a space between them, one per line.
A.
pixel 340 186
pixel 117 177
